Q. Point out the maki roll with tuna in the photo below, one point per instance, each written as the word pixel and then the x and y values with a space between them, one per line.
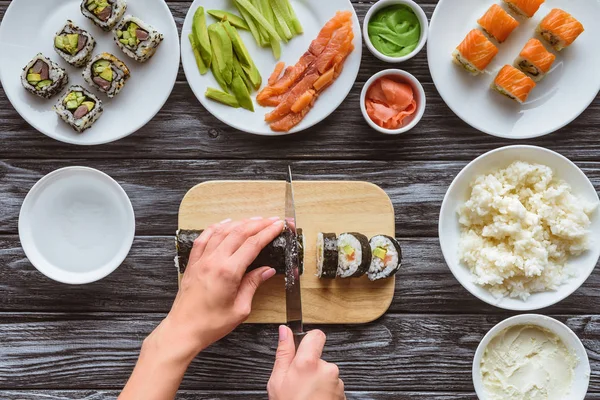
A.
pixel 354 255
pixel 74 44
pixel 387 257
pixel 106 73
pixel 327 255
pixel 43 77
pixel 79 108
pixel 137 39
pixel 104 13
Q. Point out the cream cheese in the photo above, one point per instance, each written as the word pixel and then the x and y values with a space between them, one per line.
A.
pixel 527 362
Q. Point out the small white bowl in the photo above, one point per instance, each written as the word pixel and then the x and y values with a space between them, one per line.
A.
pixel 76 225
pixel 422 20
pixel 581 376
pixel 401 76
pixel 458 193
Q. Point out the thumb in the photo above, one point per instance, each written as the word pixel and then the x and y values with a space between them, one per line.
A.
pixel 251 282
pixel 286 351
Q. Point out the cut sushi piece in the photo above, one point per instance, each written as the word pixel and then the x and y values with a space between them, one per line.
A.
pixel 74 44
pixel 137 39
pixel 534 60
pixel 560 29
pixel 327 255
pixel 354 255
pixel 106 73
pixel 387 257
pixel 79 108
pixel 43 77
pixel 513 83
pixel 104 13
pixel 526 8
pixel 498 23
pixel 475 52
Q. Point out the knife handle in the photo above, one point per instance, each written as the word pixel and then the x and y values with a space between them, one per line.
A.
pixel 298 336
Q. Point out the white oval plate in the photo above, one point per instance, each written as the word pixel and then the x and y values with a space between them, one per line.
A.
pixel 28 28
pixel 313 14
pixel 76 225
pixel 558 99
pixel 458 193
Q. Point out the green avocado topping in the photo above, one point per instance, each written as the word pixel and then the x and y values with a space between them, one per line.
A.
pixel 67 43
pixel 380 252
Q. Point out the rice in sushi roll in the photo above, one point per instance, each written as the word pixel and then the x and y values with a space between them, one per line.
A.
pixel 387 257
pixel 526 8
pixel 560 29
pixel 475 52
pixel 74 44
pixel 327 255
pixel 43 77
pixel 106 73
pixel 534 60
pixel 79 108
pixel 104 13
pixel 137 39
pixel 513 84
pixel 354 255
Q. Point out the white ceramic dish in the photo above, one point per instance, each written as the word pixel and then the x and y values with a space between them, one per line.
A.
pixel 458 193
pixel 418 12
pixel 401 76
pixel 557 100
pixel 28 28
pixel 313 14
pixel 76 225
pixel 582 370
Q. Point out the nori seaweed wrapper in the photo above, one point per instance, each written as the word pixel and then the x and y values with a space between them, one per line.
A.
pixel 391 272
pixel 367 256
pixel 328 269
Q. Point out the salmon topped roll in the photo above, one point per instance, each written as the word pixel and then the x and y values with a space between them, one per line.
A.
pixel 498 23
pixel 513 83
pixel 526 8
pixel 560 29
pixel 534 60
pixel 475 52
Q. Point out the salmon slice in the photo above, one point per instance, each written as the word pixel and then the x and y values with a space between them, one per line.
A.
pixel 498 23
pixel 276 72
pixel 526 8
pixel 560 28
pixel 292 119
pixel 303 101
pixel 513 83
pixel 324 80
pixel 477 50
pixel 285 106
pixel 340 19
pixel 341 40
pixel 289 77
pixel 536 54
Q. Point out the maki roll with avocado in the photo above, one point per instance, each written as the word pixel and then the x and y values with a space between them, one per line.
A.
pixel 327 255
pixel 104 13
pixel 354 255
pixel 387 257
pixel 106 73
pixel 79 108
pixel 43 77
pixel 137 39
pixel 74 44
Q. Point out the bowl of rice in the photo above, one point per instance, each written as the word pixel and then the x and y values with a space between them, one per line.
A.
pixel 519 227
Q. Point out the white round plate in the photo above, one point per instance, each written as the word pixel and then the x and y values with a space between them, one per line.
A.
pixel 313 14
pixel 458 193
pixel 28 28
pixel 558 99
pixel 76 225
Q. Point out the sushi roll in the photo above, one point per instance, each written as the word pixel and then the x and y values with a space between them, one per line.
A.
pixel 498 23
pixel 106 73
pixel 534 60
pixel 79 108
pixel 354 255
pixel 74 44
pixel 560 29
pixel 327 255
pixel 137 39
pixel 104 13
pixel 475 52
pixel 387 257
pixel 513 83
pixel 526 8
pixel 43 77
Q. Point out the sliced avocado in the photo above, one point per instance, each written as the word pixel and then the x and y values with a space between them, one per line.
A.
pixel 43 84
pixel 239 89
pixel 71 97
pixel 132 42
pixel 107 74
pixel 200 31
pixel 238 45
pixel 73 39
pixel 90 2
pixel 349 250
pixel 254 75
pixel 92 7
pixel 119 34
pixel 221 45
pixel 237 68
pixel 126 35
pixel 89 104
pixel 214 67
pixel 124 41
pixel 72 105
pixel 199 61
pixel 100 66
pixel 222 97
pixel 233 19
pixel 34 78
pixel 58 43
pixel 380 252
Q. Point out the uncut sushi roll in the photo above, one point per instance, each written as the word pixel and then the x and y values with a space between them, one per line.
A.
pixel 79 108
pixel 525 8
pixel 475 52
pixel 43 77
pixel 354 255
pixel 74 44
pixel 534 60
pixel 104 13
pixel 513 84
pixel 137 39
pixel 106 73
pixel 560 29
pixel 387 257
pixel 498 23
pixel 327 255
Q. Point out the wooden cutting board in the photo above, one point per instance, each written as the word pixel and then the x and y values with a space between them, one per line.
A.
pixel 320 207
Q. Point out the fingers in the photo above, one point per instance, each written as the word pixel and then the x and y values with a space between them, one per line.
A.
pixel 220 232
pixel 250 283
pixel 286 352
pixel 199 246
pixel 252 246
pixel 311 347
pixel 241 232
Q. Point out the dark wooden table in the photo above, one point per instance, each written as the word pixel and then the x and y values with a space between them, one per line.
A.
pixel 63 342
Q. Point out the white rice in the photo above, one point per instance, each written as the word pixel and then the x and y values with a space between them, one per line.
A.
pixel 379 268
pixel 347 268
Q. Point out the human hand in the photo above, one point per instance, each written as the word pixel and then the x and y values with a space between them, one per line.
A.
pixel 303 375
